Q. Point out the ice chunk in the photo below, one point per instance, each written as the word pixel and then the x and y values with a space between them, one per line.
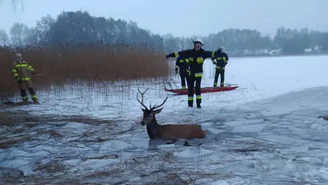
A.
pixel 94 164
pixel 113 145
pixel 191 153
pixel 249 128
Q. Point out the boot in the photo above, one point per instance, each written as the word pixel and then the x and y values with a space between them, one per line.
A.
pixel 25 99
pixel 190 101
pixel 199 101
pixel 24 96
pixel 33 95
pixel 35 99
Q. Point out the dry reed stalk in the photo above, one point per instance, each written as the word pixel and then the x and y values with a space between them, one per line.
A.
pixel 82 64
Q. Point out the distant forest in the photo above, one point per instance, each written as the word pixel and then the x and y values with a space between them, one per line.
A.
pixel 82 28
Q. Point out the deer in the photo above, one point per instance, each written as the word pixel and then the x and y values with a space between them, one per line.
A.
pixel 171 132
pixel 324 117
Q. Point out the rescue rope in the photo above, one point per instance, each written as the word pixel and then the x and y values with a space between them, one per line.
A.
pixel 199 160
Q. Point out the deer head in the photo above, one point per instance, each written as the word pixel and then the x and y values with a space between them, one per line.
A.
pixel 149 113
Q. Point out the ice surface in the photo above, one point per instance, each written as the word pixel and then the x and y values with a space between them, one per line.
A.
pixel 190 153
pixel 265 132
pixel 249 128
pixel 113 145
pixel 94 164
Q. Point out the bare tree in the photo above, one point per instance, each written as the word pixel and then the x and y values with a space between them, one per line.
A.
pixel 4 39
pixel 19 34
pixel 14 3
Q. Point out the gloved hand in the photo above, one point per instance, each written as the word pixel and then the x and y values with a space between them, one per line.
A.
pixel 19 79
pixel 188 72
pixel 214 61
pixel 176 72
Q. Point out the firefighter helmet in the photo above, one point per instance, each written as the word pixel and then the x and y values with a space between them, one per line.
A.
pixel 19 56
pixel 199 40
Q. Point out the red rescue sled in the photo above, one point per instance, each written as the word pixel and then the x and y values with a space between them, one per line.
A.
pixel 203 89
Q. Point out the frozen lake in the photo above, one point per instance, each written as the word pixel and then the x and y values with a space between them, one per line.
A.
pixel 265 132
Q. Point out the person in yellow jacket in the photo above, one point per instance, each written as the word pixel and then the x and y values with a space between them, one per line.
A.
pixel 21 71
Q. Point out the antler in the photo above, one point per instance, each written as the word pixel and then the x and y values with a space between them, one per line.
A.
pixel 157 106
pixel 142 98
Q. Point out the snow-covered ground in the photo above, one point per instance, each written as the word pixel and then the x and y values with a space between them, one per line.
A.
pixel 265 132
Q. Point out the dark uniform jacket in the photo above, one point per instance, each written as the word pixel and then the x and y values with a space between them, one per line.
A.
pixel 182 64
pixel 196 59
pixel 221 59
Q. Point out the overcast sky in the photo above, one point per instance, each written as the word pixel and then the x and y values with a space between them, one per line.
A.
pixel 182 17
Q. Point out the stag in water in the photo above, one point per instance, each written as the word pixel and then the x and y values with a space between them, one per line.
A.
pixel 169 131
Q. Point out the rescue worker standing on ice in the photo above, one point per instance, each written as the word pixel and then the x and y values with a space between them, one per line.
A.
pixel 220 59
pixel 21 71
pixel 182 68
pixel 196 58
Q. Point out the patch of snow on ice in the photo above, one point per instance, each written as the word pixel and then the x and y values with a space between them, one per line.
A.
pixel 95 164
pixel 113 146
pixel 71 162
pixel 249 128
pixel 192 153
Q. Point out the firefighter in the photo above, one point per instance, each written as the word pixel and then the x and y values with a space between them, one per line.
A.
pixel 21 71
pixel 196 58
pixel 182 67
pixel 220 59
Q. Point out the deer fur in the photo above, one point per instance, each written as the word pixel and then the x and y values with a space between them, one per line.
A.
pixel 324 117
pixel 169 131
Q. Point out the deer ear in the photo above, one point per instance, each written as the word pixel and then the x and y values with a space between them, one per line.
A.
pixel 158 110
pixel 143 110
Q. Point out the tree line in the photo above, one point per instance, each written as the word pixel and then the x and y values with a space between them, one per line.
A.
pixel 81 28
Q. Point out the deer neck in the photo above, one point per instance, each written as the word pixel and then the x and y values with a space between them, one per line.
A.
pixel 152 129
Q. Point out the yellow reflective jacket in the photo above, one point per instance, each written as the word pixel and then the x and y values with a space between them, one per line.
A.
pixel 22 70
